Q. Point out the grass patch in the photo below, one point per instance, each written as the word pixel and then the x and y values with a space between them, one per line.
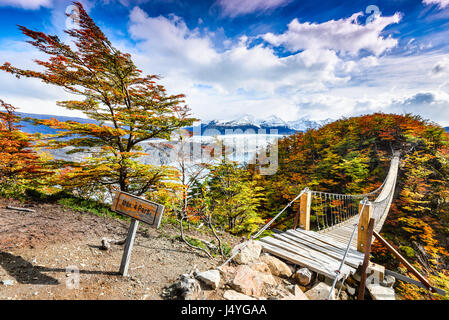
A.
pixel 91 206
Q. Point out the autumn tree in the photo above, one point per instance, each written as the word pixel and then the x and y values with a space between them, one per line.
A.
pixel 19 164
pixel 129 108
pixel 233 197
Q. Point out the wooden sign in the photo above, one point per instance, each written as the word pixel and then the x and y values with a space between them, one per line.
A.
pixel 138 208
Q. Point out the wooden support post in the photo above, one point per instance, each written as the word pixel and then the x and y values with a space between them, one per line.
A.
pixel 365 217
pixel 128 247
pixel 304 210
pixel 404 262
pixel 366 259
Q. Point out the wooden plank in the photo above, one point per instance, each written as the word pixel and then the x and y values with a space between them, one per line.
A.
pixel 312 256
pixel 137 208
pixel 336 251
pixel 318 251
pixel 294 258
pixel 304 215
pixel 366 210
pixel 326 249
pixel 361 293
pixel 128 247
pixel 326 240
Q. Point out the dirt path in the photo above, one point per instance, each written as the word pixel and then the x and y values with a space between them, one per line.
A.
pixel 37 248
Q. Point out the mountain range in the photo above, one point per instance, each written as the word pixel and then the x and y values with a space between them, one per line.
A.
pixel 208 128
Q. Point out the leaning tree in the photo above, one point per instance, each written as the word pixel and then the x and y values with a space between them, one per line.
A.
pixel 128 107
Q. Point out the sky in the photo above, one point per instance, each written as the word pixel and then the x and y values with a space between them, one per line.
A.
pixel 231 58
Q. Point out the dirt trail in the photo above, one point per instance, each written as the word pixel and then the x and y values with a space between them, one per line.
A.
pixel 36 248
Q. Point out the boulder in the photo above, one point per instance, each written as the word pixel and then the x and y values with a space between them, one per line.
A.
pixel 234 295
pixel 260 267
pixel 249 252
pixel 210 277
pixel 379 292
pixel 303 276
pixel 227 273
pixel 276 266
pixel 250 282
pixel 247 282
pixel 320 292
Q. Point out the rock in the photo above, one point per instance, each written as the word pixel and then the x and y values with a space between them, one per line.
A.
pixel 338 285
pixel 350 290
pixel 303 276
pixel 247 282
pixel 250 252
pixel 188 287
pixel 298 294
pixel 250 282
pixel 7 282
pixel 319 292
pixel 260 267
pixel 343 296
pixel 234 295
pixel 379 292
pixel 276 266
pixel 105 244
pixel 227 272
pixel 388 282
pixel 210 277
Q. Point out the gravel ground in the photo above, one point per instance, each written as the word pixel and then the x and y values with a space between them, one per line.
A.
pixel 38 250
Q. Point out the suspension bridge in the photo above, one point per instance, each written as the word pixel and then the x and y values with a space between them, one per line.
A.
pixel 330 231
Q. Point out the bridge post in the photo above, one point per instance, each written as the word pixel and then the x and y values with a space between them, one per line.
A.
pixel 305 203
pixel 365 216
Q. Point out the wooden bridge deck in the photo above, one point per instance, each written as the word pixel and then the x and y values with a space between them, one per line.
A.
pixel 323 251
pixel 317 252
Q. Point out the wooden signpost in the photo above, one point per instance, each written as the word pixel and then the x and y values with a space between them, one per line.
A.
pixel 139 210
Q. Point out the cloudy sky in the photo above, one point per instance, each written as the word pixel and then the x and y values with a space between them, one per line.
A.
pixel 293 59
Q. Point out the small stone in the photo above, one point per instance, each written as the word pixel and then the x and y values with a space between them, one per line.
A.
pixel 7 282
pixel 303 276
pixel 298 294
pixel 276 266
pixel 320 292
pixel 234 295
pixel 210 277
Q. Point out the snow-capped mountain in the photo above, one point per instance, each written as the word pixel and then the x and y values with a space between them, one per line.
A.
pixel 249 122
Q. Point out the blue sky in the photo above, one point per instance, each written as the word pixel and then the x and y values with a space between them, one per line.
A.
pixel 292 59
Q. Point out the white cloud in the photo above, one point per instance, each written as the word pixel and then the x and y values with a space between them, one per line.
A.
pixel 234 8
pixel 441 3
pixel 27 4
pixel 343 35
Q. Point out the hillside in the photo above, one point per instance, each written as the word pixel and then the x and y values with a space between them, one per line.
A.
pixel 351 156
pixel 36 248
